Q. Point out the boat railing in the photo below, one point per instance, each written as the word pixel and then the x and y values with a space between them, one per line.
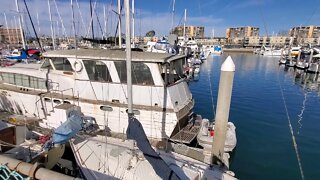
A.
pixel 50 93
pixel 62 94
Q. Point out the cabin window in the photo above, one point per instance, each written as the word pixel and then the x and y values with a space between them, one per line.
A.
pixel 23 80
pixel 97 71
pixel 11 78
pixel 18 79
pixel 46 64
pixel 26 81
pixel 62 64
pixel 141 74
pixel 33 82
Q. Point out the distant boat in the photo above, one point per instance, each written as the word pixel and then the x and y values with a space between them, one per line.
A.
pixel 22 54
pixel 269 51
pixel 314 64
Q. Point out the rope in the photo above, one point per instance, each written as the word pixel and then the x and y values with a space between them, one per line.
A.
pixel 295 145
pixel 211 93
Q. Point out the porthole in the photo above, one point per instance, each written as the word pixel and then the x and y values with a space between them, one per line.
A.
pixel 47 100
pixel 57 101
pixel 135 112
pixel 106 108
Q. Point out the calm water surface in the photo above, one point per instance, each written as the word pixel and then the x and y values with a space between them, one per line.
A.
pixel 265 149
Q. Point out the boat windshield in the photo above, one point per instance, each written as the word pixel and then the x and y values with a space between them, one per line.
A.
pixel 46 64
pixel 174 71
pixel 59 63
pixel 161 46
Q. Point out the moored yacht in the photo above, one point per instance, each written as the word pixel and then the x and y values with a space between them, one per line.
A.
pixel 95 80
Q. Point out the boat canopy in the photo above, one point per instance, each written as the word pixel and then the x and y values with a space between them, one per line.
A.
pixel 115 55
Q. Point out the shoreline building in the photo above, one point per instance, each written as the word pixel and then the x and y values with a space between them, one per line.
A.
pixel 305 34
pixel 237 35
pixel 191 31
pixel 10 35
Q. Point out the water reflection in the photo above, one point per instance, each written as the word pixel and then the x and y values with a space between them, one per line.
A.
pixel 307 81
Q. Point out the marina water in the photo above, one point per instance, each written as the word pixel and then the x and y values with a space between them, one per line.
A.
pixel 265 147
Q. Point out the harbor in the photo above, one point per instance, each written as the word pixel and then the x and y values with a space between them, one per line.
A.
pixel 265 149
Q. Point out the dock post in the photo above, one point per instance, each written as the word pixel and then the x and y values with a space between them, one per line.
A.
pixel 299 56
pixel 223 108
pixel 310 57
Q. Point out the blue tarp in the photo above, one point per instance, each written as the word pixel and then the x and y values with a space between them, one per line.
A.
pixel 68 129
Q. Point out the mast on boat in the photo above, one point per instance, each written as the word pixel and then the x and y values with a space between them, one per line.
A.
pixel 119 24
pixel 20 26
pixel 51 26
pixel 74 26
pixel 184 24
pixel 128 57
pixel 172 20
pixel 16 28
pixel 5 18
pixel 133 23
pixel 91 19
pixel 105 22
pixel 34 29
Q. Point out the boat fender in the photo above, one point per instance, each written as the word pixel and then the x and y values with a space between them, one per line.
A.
pixel 77 66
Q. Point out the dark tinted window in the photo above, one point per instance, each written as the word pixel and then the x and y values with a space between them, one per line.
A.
pixel 140 73
pixel 97 71
pixel 61 64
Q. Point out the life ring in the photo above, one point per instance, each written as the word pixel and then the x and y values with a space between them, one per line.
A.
pixel 77 66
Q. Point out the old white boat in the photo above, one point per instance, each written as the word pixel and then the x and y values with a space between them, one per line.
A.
pixel 95 80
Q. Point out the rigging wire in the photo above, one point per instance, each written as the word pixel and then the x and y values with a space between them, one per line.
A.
pixel 211 93
pixel 313 13
pixel 264 22
pixel 295 145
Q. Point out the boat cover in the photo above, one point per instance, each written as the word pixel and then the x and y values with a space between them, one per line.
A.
pixel 136 132
pixel 68 129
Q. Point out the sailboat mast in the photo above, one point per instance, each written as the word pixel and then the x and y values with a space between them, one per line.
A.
pixel 128 57
pixel 119 23
pixel 132 22
pixel 5 18
pixel 184 24
pixel 51 25
pixel 74 26
pixel 92 19
pixel 38 22
pixel 34 29
pixel 16 28
pixel 172 21
pixel 20 26
pixel 105 22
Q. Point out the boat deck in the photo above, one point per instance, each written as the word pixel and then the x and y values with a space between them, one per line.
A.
pixel 188 133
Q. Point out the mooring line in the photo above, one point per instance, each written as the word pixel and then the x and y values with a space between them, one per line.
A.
pixel 291 131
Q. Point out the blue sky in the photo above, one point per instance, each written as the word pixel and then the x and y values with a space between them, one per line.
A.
pixel 271 16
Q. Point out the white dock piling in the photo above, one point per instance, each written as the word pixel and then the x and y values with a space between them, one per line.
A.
pixel 310 57
pixel 223 108
pixel 299 55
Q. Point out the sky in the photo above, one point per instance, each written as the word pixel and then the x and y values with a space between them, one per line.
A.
pixel 271 16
